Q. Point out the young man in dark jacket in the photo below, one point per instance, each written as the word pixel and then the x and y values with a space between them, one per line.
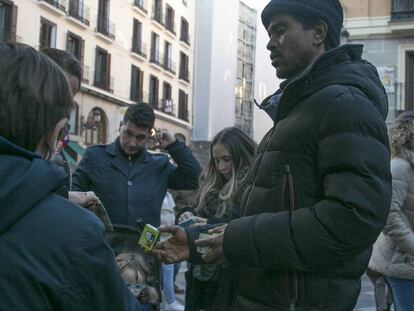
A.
pixel 130 181
pixel 53 253
pixel 320 187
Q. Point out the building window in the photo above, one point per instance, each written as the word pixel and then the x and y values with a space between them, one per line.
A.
pixel 75 45
pixel 95 132
pixel 8 21
pixel 169 19
pixel 169 65
pixel 167 103
pixel 409 81
pixel 184 74
pixel 137 77
pixel 47 34
pixel 79 11
pixel 153 92
pixel 105 26
pixel 185 37
pixel 137 44
pixel 155 49
pixel 157 11
pixel 183 105
pixel 103 70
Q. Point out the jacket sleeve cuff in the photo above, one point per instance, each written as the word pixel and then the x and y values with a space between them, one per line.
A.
pixel 239 243
pixel 192 235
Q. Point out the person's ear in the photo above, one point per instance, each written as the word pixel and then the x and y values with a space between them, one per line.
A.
pixel 48 144
pixel 320 31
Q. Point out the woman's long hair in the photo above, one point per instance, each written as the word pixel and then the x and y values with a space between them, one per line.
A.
pixel 242 150
pixel 401 134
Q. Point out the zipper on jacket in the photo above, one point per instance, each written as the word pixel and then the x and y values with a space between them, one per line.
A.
pixel 130 161
pixel 292 288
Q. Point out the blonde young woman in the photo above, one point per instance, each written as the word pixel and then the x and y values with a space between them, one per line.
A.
pixel 221 190
pixel 393 254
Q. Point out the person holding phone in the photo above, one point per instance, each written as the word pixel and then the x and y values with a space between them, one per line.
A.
pixel 130 181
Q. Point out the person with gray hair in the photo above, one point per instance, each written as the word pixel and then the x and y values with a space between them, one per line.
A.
pixel 319 190
pixel 393 254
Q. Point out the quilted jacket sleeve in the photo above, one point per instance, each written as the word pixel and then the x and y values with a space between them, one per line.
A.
pixel 398 227
pixel 352 161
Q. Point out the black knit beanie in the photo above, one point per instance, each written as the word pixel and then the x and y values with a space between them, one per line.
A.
pixel 330 11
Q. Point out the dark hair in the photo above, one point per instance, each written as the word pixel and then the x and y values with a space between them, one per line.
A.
pixel 69 63
pixel 140 114
pixel 308 23
pixel 242 150
pixel 34 95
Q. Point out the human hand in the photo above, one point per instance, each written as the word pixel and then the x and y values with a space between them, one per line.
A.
pixel 164 138
pixel 83 198
pixel 199 221
pixel 174 249
pixel 218 229
pixel 185 216
pixel 216 254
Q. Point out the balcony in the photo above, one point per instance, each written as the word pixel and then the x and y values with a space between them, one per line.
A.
pixel 79 11
pixel 154 101
pixel 170 66
pixel 184 75
pixel 402 10
pixel 105 27
pixel 155 58
pixel 183 113
pixel 185 38
pixel 157 15
pixel 56 6
pixel 170 26
pixel 139 48
pixel 103 82
pixel 140 5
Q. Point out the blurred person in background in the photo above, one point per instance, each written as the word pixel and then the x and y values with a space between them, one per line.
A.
pixel 393 254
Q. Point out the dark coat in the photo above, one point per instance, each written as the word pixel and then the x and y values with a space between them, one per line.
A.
pixel 319 191
pixel 53 254
pixel 135 188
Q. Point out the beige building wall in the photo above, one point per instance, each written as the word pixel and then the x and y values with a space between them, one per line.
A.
pixel 121 14
pixel 366 8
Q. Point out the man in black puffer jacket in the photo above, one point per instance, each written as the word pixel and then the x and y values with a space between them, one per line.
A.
pixel 320 188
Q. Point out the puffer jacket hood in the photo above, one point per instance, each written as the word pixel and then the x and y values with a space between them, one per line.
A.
pixel 20 180
pixel 353 71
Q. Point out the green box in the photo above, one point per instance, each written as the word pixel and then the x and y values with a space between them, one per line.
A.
pixel 149 238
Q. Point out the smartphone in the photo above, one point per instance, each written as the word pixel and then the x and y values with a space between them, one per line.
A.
pixel 187 223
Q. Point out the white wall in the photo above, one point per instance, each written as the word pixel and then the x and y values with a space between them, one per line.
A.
pixel 215 69
pixel 266 81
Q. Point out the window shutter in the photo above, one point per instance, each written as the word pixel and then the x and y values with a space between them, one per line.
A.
pixel 108 72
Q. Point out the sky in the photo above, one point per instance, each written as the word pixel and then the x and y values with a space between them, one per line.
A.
pixel 266 82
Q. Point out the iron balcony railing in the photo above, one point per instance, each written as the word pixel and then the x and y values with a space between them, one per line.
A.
pixel 170 65
pixel 105 27
pixel 58 4
pixel 79 11
pixel 139 47
pixel 140 4
pixel 402 9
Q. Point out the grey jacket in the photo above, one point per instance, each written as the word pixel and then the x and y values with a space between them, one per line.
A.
pixel 393 253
